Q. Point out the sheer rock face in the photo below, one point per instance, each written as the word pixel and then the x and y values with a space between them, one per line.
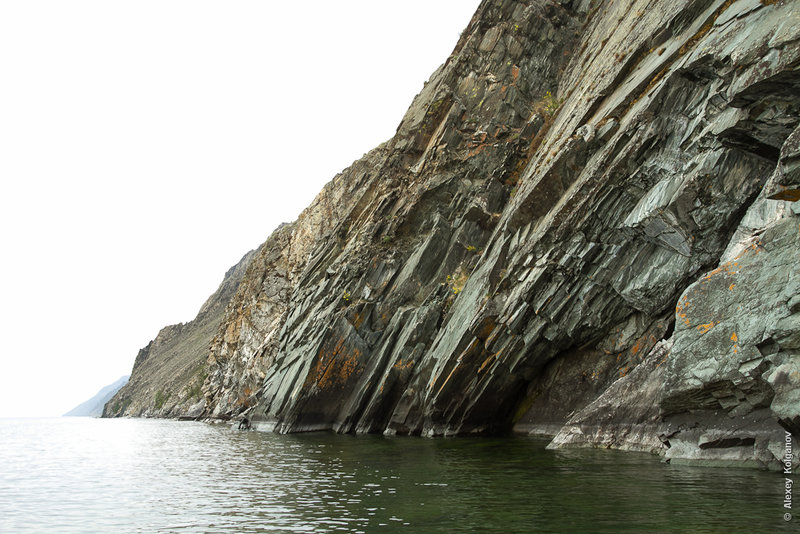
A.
pixel 375 267
pixel 513 257
pixel 168 374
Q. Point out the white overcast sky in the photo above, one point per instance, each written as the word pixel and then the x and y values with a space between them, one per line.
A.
pixel 147 145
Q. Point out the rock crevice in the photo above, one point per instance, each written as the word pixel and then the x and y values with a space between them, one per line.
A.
pixel 583 228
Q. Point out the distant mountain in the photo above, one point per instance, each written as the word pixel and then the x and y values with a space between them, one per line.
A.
pixel 94 406
pixel 168 374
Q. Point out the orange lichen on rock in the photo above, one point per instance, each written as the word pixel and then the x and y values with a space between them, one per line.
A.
pixel 680 310
pixel 335 367
pixel 401 365
pixel 358 320
pixel 725 267
pixel 324 360
pixel 703 328
pixel 339 374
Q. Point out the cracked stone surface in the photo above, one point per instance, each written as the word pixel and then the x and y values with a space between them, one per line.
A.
pixel 513 258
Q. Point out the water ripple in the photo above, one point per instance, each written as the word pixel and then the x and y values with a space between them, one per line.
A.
pixel 87 475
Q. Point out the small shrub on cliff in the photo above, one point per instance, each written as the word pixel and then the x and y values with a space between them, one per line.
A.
pixel 457 281
pixel 195 390
pixel 160 399
pixel 551 104
pixel 547 106
pixel 120 406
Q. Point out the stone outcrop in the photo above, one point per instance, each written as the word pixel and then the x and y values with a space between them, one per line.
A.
pixel 168 374
pixel 583 228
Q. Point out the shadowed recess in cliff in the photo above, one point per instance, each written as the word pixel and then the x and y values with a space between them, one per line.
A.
pixel 513 257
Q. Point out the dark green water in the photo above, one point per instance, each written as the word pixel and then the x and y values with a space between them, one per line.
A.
pixel 85 475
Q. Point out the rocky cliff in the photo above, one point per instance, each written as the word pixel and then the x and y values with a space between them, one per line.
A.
pixel 586 226
pixel 169 372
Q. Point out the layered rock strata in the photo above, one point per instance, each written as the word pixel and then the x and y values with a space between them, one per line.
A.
pixel 583 228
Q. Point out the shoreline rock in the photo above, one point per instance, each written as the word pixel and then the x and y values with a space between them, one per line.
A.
pixel 583 227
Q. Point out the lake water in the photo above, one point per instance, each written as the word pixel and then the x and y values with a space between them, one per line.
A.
pixel 129 475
